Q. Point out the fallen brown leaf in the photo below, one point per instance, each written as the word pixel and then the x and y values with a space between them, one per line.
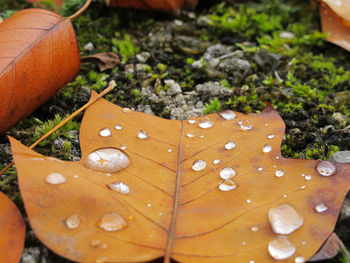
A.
pixel 38 56
pixel 209 189
pixel 336 22
pixel 12 229
pixel 104 61
pixel 329 249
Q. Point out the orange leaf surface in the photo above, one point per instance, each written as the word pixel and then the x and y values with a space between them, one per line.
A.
pixel 336 22
pixel 38 56
pixel 12 229
pixel 168 5
pixel 210 189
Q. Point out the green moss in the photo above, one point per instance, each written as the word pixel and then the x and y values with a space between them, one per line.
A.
pixel 124 46
pixel 213 106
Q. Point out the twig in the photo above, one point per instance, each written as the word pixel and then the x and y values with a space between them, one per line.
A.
pixel 111 86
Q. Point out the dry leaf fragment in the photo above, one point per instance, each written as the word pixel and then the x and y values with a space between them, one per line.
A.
pixel 12 229
pixel 38 56
pixel 336 23
pixel 177 198
pixel 104 61
pixel 329 249
pixel 167 5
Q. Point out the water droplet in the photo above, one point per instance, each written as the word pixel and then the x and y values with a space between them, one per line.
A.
pixel 325 168
pixel 190 135
pixel 149 205
pixel 228 115
pixel 216 161
pixel 119 187
pixel 170 150
pixel 72 221
pixel 260 169
pixel 108 174
pixel 142 135
pixel 191 120
pixel 266 124
pixel 303 242
pixel 76 176
pixel 249 201
pixel 205 122
pixel 251 261
pixel 227 185
pixel 245 125
pixel 127 110
pixel 321 207
pixel 105 132
pixel 55 178
pixel 160 213
pixel 308 177
pixel 230 145
pixel 244 243
pixel 267 148
pixel 279 173
pixel 277 157
pixel 95 242
pixel 112 222
pixel 123 147
pixel 104 246
pixel 299 259
pixel 107 160
pixel 201 136
pixel 284 219
pixel 227 173
pixel 199 165
pixel 281 248
pixel 254 228
pixel 271 136
pixel 303 187
pixel 285 196
pixel 118 127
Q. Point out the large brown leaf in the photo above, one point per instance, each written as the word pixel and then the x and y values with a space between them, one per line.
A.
pixel 166 208
pixel 168 5
pixel 335 17
pixel 38 56
pixel 12 229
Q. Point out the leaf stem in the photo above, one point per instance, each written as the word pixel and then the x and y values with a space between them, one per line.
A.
pixel 81 10
pixel 111 86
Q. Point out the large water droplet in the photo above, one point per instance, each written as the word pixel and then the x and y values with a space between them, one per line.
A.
pixel 284 219
pixel 279 173
pixel 299 259
pixel 119 187
pixel 228 115
pixel 267 148
pixel 281 248
pixel 270 136
pixel 245 125
pixel 205 122
pixel 105 132
pixel 199 165
pixel 321 207
pixel 55 178
pixel 227 185
pixel 142 135
pixel 227 173
pixel 112 222
pixel 123 147
pixel 308 177
pixel 107 160
pixel 72 221
pixel 230 145
pixel 191 120
pixel 325 168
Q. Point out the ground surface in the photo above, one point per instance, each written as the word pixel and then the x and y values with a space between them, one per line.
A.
pixel 221 56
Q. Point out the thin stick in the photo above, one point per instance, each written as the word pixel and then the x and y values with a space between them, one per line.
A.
pixel 111 86
pixel 81 10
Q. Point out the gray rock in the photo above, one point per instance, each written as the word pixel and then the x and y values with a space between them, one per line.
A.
pixel 203 21
pixel 267 61
pixel 143 56
pixel 145 108
pixel 212 89
pixel 174 88
pixel 89 47
pixel 339 117
pixel 129 68
pixel 341 157
pixel 234 64
pixel 216 51
pixel 34 255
